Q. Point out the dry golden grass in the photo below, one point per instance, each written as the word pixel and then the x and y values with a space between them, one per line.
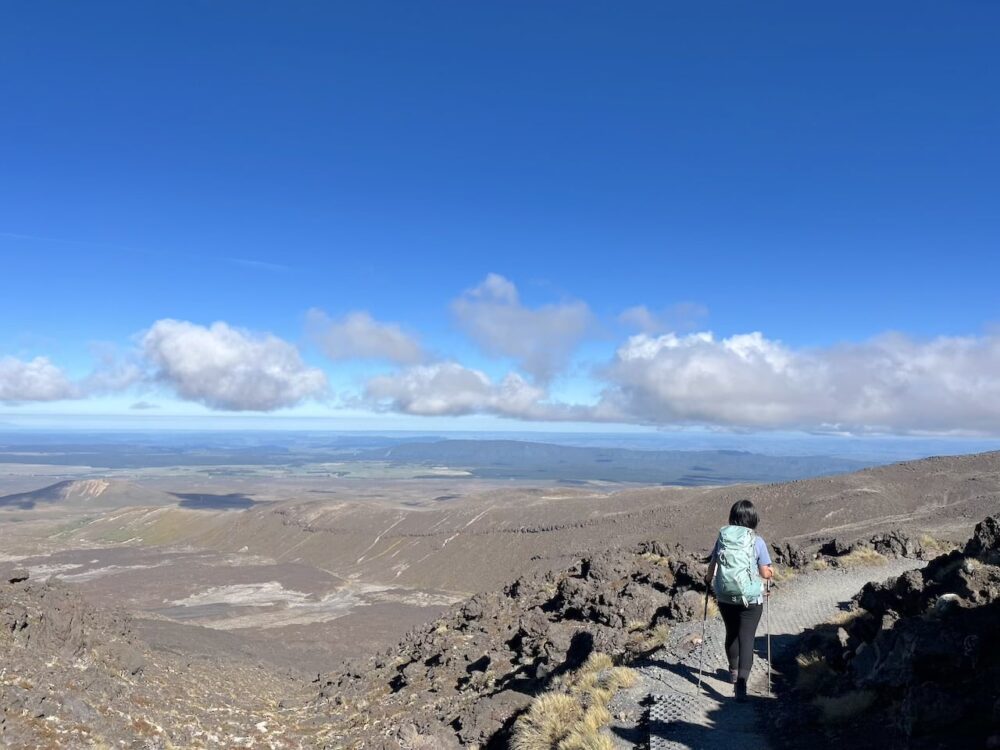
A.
pixel 846 617
pixel 845 707
pixel 782 574
pixel 620 678
pixel 549 720
pixel 574 715
pixel 596 662
pixel 583 740
pixel 645 641
pixel 596 717
pixel 862 557
pixel 654 558
pixel 813 673
pixel 940 546
pixel 713 608
pixel 576 741
pixel 819 564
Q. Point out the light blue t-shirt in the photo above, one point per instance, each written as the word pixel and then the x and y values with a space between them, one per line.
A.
pixel 763 557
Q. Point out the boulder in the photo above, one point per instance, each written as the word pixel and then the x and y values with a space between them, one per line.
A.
pixel 985 540
pixel 689 605
pixel 836 548
pixel 790 555
pixel 18 575
pixel 895 543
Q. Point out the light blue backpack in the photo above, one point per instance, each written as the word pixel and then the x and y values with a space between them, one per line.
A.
pixel 737 579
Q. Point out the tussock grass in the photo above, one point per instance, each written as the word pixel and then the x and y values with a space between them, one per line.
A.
pixel 843 708
pixel 939 546
pixel 782 574
pixel 713 608
pixel 660 633
pixel 861 557
pixel 582 740
pixel 596 717
pixel 654 558
pixel 549 720
pixel 649 639
pixel 573 715
pixel 819 564
pixel 846 617
pixel 596 662
pixel 813 673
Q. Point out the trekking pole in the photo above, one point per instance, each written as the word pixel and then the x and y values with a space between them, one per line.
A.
pixel 767 606
pixel 704 630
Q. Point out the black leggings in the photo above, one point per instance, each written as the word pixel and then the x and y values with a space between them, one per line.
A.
pixel 741 627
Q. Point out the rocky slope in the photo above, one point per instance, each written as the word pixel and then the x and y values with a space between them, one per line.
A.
pixel 74 676
pixel 916 664
pixel 465 677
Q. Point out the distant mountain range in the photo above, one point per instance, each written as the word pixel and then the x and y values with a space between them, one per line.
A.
pixel 517 459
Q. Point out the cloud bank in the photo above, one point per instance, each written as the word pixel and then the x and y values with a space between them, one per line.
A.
pixel 450 389
pixel 228 368
pixel 890 384
pixel 540 340
pixel 359 336
pixel 33 380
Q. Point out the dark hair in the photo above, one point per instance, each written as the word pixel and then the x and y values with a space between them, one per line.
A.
pixel 743 513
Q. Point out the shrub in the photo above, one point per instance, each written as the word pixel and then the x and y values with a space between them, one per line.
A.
pixel 813 673
pixel 842 708
pixel 861 557
pixel 549 720
pixel 573 715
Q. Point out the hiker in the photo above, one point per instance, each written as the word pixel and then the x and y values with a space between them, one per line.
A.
pixel 740 563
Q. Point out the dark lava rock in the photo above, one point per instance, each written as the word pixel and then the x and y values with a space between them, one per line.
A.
pixel 470 673
pixel 985 539
pixel 925 646
pixel 836 548
pixel 18 575
pixel 790 555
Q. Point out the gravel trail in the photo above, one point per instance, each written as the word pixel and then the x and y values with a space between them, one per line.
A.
pixel 666 710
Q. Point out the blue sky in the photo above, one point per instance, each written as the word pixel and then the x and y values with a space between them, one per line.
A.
pixel 821 176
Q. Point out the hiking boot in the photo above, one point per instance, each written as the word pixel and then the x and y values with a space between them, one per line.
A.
pixel 741 690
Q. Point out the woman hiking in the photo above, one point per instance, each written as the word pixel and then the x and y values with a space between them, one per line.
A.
pixel 739 565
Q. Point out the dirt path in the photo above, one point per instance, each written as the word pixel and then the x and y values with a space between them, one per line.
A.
pixel 666 709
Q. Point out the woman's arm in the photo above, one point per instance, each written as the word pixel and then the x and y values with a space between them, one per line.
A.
pixel 766 571
pixel 710 575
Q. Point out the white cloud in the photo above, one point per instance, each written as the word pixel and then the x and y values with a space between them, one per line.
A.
pixel 113 373
pixel 540 340
pixel 33 380
pixel 891 383
pixel 359 336
pixel 229 369
pixel 681 317
pixel 450 389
